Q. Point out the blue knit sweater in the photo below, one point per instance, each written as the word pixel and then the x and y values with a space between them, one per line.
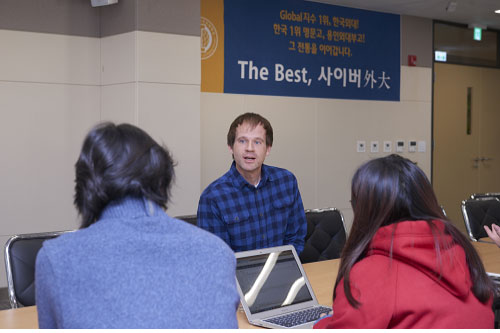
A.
pixel 136 268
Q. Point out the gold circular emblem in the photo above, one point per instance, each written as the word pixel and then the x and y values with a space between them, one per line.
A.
pixel 208 38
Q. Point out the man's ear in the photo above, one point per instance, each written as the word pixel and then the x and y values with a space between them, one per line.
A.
pixel 230 149
pixel 268 150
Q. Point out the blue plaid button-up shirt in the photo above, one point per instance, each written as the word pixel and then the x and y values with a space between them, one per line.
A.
pixel 248 217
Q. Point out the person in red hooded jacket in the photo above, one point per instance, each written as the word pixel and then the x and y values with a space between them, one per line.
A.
pixel 404 264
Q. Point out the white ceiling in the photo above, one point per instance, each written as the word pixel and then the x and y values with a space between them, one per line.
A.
pixel 467 11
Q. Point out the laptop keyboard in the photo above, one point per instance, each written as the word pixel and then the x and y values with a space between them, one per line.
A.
pixel 299 317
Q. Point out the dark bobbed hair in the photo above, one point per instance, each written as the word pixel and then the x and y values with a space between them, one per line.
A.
pixel 253 119
pixel 393 189
pixel 118 161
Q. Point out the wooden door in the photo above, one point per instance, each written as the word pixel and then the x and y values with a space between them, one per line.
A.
pixel 489 140
pixel 466 135
pixel 455 175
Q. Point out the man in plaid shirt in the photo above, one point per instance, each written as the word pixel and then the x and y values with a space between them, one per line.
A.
pixel 253 205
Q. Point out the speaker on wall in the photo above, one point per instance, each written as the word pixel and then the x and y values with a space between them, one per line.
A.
pixel 98 3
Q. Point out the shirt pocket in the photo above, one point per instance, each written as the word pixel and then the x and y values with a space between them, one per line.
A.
pixel 283 202
pixel 240 230
pixel 235 217
pixel 282 209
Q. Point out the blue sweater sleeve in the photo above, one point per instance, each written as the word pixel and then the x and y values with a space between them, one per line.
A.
pixel 45 287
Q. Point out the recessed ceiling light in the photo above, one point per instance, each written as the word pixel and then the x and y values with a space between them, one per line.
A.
pixel 497 11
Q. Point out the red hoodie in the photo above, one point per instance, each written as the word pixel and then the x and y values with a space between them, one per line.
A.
pixel 406 291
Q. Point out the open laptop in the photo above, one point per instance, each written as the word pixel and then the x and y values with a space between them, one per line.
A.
pixel 274 290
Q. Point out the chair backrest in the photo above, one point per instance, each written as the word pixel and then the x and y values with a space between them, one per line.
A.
pixel 326 235
pixel 443 210
pixel 192 219
pixel 485 195
pixel 479 212
pixel 20 257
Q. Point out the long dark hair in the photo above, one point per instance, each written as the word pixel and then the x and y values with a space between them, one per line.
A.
pixel 389 190
pixel 118 161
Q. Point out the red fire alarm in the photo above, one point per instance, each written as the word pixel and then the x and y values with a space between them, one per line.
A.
pixel 412 60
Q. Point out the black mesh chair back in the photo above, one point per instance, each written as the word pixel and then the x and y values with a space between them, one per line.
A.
pixel 20 257
pixel 485 195
pixel 192 219
pixel 479 212
pixel 326 235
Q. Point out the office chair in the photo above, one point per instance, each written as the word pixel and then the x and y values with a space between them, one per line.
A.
pixel 479 212
pixel 443 210
pixel 326 235
pixel 485 195
pixel 192 219
pixel 20 257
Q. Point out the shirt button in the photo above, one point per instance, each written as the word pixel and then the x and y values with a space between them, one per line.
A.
pixel 263 236
pixel 261 215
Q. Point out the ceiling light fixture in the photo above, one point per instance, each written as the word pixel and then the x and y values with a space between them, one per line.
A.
pixel 497 11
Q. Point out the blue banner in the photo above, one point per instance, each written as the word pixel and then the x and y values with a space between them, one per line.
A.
pixel 308 49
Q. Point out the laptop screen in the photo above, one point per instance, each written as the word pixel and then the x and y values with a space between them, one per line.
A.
pixel 271 281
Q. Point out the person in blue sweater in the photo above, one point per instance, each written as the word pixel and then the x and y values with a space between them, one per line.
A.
pixel 130 265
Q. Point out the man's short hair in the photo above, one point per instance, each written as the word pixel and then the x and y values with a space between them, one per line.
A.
pixel 252 119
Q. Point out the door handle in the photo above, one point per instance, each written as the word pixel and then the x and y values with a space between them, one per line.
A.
pixel 480 159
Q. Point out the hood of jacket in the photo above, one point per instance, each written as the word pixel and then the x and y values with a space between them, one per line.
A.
pixel 414 243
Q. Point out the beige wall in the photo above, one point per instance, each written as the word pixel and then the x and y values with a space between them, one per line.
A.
pixel 153 80
pixel 54 88
pixel 316 138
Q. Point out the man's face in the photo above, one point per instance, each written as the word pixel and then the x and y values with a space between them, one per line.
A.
pixel 249 148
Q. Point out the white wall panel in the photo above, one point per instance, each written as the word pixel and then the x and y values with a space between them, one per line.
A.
pixel 171 115
pixel 39 57
pixel 119 103
pixel 118 58
pixel 416 84
pixel 168 58
pixel 41 133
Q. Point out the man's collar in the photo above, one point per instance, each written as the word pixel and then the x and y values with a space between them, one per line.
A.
pixel 239 181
